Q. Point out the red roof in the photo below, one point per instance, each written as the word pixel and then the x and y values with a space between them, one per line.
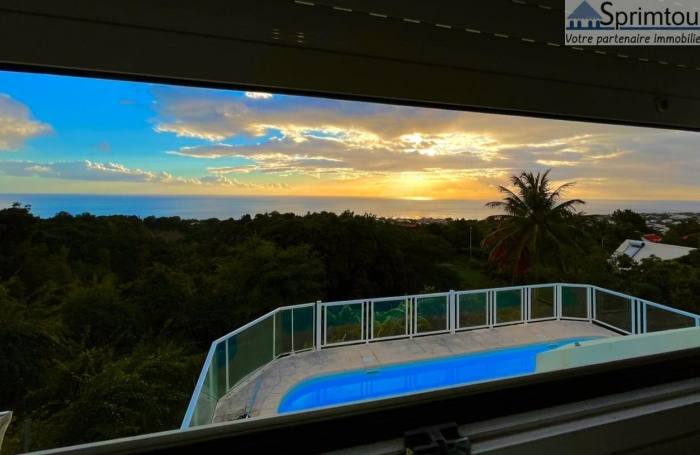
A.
pixel 653 238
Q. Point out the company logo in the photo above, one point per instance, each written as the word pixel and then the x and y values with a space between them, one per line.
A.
pixel 585 16
pixel 632 22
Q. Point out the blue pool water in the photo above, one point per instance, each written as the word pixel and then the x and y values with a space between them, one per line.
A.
pixel 342 388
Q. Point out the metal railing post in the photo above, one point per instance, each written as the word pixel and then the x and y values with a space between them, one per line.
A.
pixel 453 311
pixel 370 321
pixel 407 317
pixel 213 386
pixel 414 306
pixel 524 304
pixel 411 311
pixel 319 324
pixel 644 321
pixel 274 332
pixel 589 303
pixel 228 387
pixel 633 308
pixel 368 309
pixel 594 303
pixel 292 331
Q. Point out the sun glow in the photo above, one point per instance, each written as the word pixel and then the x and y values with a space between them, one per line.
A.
pixel 417 198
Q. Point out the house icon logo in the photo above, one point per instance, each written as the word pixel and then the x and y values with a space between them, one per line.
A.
pixel 583 17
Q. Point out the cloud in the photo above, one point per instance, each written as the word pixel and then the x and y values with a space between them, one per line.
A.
pixel 112 172
pixel 220 180
pixel 17 125
pixel 555 163
pixel 317 156
pixel 37 168
pixel 258 95
pixel 342 140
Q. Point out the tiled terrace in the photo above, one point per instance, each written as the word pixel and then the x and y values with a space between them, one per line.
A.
pixel 284 373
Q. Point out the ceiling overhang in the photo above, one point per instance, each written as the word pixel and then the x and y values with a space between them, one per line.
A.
pixel 495 56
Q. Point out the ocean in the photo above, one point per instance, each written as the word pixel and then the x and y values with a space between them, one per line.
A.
pixel 224 207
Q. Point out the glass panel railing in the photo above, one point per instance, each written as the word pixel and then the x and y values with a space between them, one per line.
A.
pixel 432 314
pixel 249 350
pixel 343 323
pixel 574 302
pixel 509 306
pixel 219 365
pixel 542 303
pixel 472 310
pixel 290 329
pixel 303 328
pixel 614 310
pixel 389 318
pixel 659 319
pixel 206 402
pixel 283 332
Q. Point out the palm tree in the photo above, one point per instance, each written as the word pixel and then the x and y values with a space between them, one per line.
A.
pixel 535 229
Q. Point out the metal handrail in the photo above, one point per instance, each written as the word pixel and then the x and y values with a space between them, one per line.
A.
pixel 367 319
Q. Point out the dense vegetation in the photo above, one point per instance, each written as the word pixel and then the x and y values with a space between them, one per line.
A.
pixel 105 321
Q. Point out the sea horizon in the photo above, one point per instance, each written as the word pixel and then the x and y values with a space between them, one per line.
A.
pixel 224 207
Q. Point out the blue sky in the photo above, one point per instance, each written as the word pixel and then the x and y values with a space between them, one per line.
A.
pixel 105 120
pixel 76 135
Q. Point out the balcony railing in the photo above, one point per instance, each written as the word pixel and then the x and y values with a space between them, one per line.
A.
pixel 287 330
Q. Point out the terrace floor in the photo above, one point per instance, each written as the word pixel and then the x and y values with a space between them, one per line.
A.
pixel 284 373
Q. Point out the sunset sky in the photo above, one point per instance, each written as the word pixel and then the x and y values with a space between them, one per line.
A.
pixel 74 135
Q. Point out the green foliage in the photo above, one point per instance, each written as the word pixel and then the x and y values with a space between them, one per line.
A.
pixel 623 225
pixel 104 321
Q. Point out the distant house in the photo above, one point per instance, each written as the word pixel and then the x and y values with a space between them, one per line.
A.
pixel 638 250
pixel 653 238
pixel 585 16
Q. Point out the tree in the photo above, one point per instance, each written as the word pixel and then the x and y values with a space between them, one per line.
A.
pixel 535 229
pixel 259 277
pixel 626 224
pixel 28 339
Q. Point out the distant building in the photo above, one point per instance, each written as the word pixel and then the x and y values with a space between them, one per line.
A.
pixel 653 238
pixel 659 227
pixel 638 250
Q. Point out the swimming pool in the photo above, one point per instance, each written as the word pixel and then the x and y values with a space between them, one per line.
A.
pixel 343 388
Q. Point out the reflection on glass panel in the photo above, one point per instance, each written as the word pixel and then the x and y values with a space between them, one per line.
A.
pixel 389 318
pixel 250 349
pixel 206 402
pixel 432 313
pixel 473 310
pixel 283 332
pixel 574 302
pixel 508 307
pixel 542 303
pixel 303 328
pixel 614 310
pixel 658 320
pixel 344 323
pixel 218 365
